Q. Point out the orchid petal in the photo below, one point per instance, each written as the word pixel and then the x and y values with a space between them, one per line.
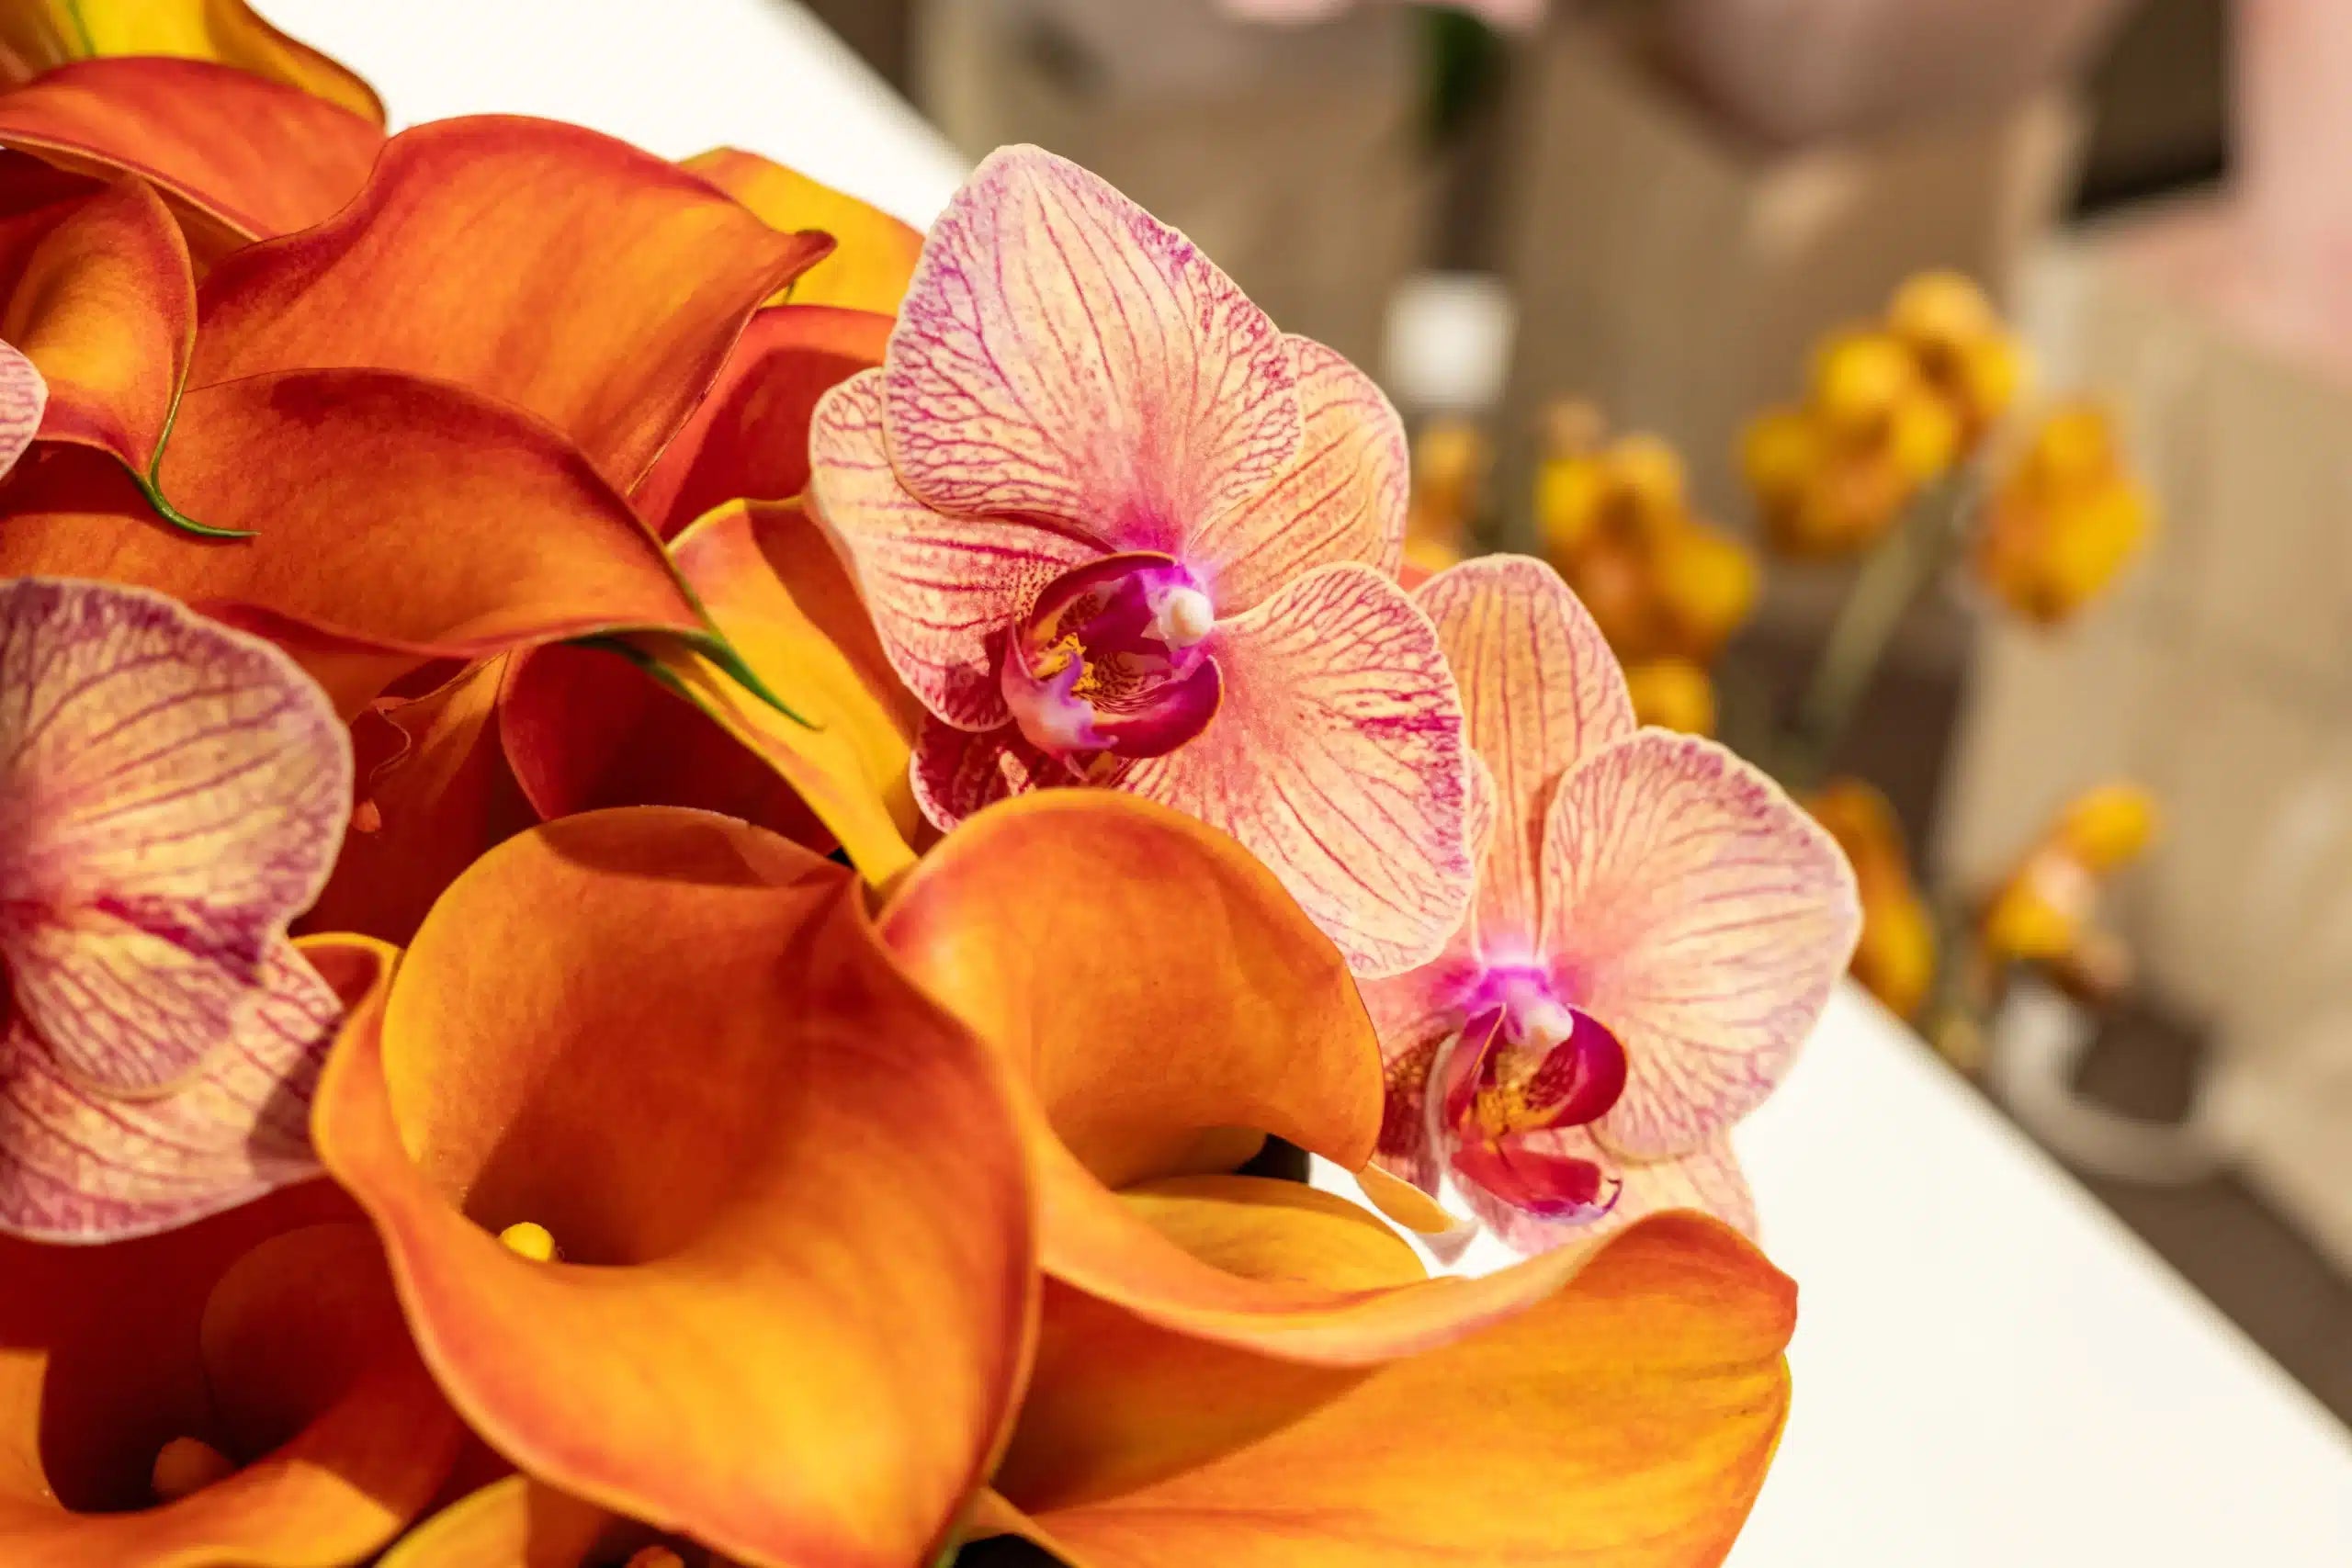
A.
pixel 366 494
pixel 747 439
pixel 941 589
pixel 874 253
pixel 1540 691
pixel 172 793
pixel 1708 1181
pixel 1703 917
pixel 23 398
pixel 1062 354
pixel 1342 499
pixel 542 265
pixel 955 773
pixel 710 1084
pixel 269 1335
pixel 41 37
pixel 237 157
pixel 102 306
pixel 78 1167
pixel 1338 758
pixel 1625 1418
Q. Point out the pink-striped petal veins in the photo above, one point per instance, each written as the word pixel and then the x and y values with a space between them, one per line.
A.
pixel 1540 691
pixel 944 592
pixel 24 398
pixel 1708 1179
pixel 955 771
pixel 1062 354
pixel 79 1166
pixel 1342 499
pixel 1693 907
pixel 1338 760
pixel 172 793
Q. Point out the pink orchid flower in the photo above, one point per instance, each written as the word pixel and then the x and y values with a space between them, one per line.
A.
pixel 1657 928
pixel 172 793
pixel 1116 529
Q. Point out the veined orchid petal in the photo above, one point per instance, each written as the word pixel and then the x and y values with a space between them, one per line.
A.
pixel 23 396
pixel 1338 758
pixel 1540 690
pixel 1700 914
pixel 172 793
pixel 1062 354
pixel 1708 1181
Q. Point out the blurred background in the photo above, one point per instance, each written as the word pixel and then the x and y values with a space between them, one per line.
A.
pixel 1946 402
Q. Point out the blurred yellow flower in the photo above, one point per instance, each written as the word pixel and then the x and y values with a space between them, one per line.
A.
pixel 1451 459
pixel 1672 693
pixel 2063 522
pixel 1889 408
pixel 2041 914
pixel 1617 524
pixel 1896 960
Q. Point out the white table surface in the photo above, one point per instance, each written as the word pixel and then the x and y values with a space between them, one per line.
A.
pixel 1991 1371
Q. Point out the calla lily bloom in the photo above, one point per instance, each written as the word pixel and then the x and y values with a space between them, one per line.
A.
pixel 242 1391
pixel 1116 528
pixel 172 793
pixel 38 35
pixel 875 253
pixel 712 1090
pixel 1234 1369
pixel 1655 930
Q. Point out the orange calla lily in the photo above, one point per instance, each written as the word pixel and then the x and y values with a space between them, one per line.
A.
pixel 100 298
pixel 237 156
pixel 365 493
pixel 1223 1356
pixel 876 253
pixel 712 1087
pixel 267 1334
pixel 38 35
pixel 747 439
pixel 546 265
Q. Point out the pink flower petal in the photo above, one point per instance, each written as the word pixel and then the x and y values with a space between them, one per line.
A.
pixel 1063 354
pixel 942 590
pixel 1338 760
pixel 1342 499
pixel 1708 1181
pixel 1540 691
pixel 955 771
pixel 79 1166
pixel 1691 907
pixel 1414 1014
pixel 172 793
pixel 24 398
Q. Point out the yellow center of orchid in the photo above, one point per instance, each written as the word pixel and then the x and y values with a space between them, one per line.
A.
pixel 530 1240
pixel 185 1466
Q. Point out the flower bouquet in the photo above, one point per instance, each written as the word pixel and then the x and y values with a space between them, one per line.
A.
pixel 664 848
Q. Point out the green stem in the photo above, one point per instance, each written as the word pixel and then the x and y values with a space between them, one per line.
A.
pixel 1895 577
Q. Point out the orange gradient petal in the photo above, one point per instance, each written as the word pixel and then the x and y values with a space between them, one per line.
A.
pixel 542 265
pixel 238 157
pixel 271 1337
pixel 712 1087
pixel 747 439
pixel 874 253
pixel 42 34
pixel 1625 1419
pixel 371 499
pixel 103 306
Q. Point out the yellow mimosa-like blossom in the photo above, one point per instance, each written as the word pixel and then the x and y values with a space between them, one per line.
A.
pixel 2064 520
pixel 1896 958
pixel 1672 693
pixel 2042 913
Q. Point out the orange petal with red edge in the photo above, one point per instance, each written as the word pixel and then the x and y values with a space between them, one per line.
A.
pixel 34 38
pixel 774 587
pixel 102 304
pixel 747 439
pixel 709 1082
pixel 874 253
pixel 539 263
pixel 237 157
pixel 1625 1418
pixel 280 1347
pixel 435 792
pixel 367 494
pixel 584 728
